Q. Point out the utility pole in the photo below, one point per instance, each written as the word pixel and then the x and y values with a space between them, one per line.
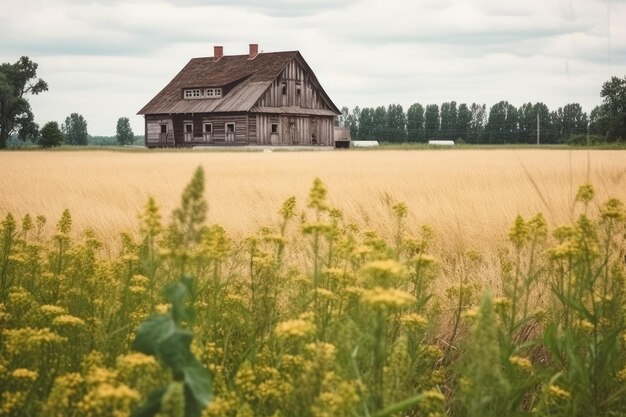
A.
pixel 538 129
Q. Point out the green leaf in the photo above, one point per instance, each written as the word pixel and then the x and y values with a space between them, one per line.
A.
pixel 151 332
pixel 198 380
pixel 174 351
pixel 152 406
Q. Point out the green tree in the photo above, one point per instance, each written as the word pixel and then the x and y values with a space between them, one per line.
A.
pixel 463 122
pixel 502 123
pixel 379 122
pixel 16 81
pixel 431 121
pixel 341 119
pixel 395 123
pixel 124 133
pixel 75 130
pixel 366 123
pixel 614 94
pixel 353 122
pixel 477 124
pixel 415 123
pixel 51 135
pixel 448 120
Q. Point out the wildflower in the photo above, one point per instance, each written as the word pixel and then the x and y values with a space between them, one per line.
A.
pixel 317 195
pixel 613 209
pixel 432 352
pixel 585 194
pixel 294 328
pixel 136 289
pixel 325 352
pixel 325 294
pixel 68 320
pixel 52 310
pixel 519 232
pixel 135 360
pixel 384 298
pixel 23 373
pixel 559 393
pixel 621 375
pixel 162 308
pixel 523 364
pixel 389 269
pixel 433 399
pixel 423 260
pixel 584 325
pixel 414 320
pixel 288 209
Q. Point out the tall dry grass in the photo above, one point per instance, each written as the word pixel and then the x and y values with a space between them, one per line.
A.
pixel 469 197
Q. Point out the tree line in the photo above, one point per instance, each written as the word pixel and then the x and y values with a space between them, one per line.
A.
pixel 17 120
pixel 502 123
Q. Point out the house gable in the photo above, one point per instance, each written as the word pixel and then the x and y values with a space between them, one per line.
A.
pixel 296 87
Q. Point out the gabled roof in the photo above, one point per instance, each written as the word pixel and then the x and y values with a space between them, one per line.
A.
pixel 249 79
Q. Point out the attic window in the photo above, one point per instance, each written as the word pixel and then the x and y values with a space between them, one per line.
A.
pixel 284 84
pixel 213 92
pixel 196 93
pixel 298 87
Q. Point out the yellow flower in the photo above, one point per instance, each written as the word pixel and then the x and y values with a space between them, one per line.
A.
pixel 521 363
pixel 613 209
pixel 384 298
pixel 23 373
pixel 414 320
pixel 325 294
pixel 134 360
pixel 52 310
pixel 558 393
pixel 68 320
pixel 294 328
pixel 585 193
pixel 388 268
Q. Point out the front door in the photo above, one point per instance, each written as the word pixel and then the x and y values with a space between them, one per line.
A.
pixel 230 132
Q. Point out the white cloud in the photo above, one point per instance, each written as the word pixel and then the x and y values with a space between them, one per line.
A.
pixel 106 59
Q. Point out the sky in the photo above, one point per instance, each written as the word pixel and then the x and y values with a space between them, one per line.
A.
pixel 106 59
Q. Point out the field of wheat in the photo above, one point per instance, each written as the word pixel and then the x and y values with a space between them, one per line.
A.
pixel 304 284
pixel 469 197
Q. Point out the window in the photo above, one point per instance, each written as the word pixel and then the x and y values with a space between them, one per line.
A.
pixel 298 87
pixel 195 93
pixel 284 84
pixel 213 92
pixel 208 128
pixel 274 127
pixel 230 128
pixel 163 129
pixel 189 128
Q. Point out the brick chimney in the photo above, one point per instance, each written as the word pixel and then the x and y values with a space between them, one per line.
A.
pixel 218 53
pixel 254 50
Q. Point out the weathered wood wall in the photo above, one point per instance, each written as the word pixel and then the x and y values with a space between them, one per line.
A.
pixel 294 130
pixel 292 75
pixel 153 130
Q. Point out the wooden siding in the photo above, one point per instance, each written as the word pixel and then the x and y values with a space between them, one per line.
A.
pixel 292 75
pixel 153 131
pixel 294 130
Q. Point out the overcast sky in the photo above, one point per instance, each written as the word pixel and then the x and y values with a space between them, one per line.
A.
pixel 107 58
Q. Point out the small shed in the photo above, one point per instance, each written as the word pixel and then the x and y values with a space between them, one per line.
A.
pixel 342 137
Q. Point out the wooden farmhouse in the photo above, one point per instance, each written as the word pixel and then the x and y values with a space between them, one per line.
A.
pixel 254 99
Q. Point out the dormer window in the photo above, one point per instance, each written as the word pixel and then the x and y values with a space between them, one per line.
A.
pixel 198 93
pixel 213 92
pixel 195 93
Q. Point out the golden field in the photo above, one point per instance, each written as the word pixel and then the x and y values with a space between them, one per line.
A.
pixel 469 197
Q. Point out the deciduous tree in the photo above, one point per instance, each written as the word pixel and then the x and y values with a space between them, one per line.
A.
pixel 415 123
pixel 16 81
pixel 51 135
pixel 614 94
pixel 124 133
pixel 75 130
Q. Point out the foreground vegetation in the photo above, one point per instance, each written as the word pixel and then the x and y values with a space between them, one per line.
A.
pixel 349 326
